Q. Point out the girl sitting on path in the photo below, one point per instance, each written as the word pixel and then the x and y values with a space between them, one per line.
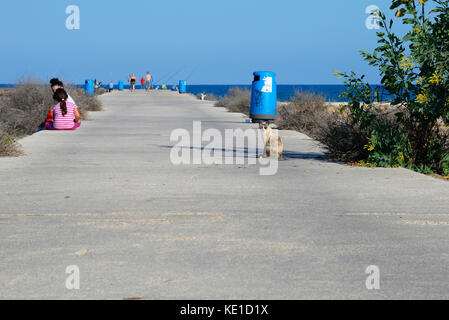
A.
pixel 65 114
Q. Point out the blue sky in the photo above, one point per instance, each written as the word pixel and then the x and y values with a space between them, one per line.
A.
pixel 206 41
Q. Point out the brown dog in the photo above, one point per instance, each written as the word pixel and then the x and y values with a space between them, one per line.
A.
pixel 271 146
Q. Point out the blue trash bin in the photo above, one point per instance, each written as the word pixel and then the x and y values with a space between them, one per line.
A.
pixel 89 87
pixel 182 86
pixel 263 96
pixel 120 85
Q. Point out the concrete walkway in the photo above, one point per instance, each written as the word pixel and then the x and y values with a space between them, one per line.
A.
pixel 107 199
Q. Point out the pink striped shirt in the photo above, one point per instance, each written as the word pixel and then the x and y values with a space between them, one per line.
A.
pixel 66 121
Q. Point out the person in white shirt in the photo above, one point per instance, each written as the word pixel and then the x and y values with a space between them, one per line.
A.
pixel 56 84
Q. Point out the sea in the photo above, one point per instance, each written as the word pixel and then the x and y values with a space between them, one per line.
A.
pixel 284 92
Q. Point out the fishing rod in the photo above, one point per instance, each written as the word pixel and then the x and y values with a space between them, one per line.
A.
pixel 165 75
pixel 173 75
pixel 193 71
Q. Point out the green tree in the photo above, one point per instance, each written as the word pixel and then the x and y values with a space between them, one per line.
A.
pixel 415 70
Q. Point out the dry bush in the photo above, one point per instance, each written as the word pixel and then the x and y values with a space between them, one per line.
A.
pixel 306 112
pixel 237 100
pixel 343 140
pixel 207 96
pixel 8 146
pixel 24 108
pixel 100 91
pixel 309 113
pixel 5 92
pixel 84 102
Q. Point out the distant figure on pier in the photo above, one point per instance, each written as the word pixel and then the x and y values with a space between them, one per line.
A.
pixel 142 83
pixel 56 84
pixel 132 82
pixel 65 115
pixel 97 85
pixel 111 86
pixel 148 79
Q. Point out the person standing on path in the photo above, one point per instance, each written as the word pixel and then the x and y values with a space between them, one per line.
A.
pixel 142 83
pixel 148 79
pixel 132 82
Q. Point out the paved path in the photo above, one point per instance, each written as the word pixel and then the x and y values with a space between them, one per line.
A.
pixel 107 199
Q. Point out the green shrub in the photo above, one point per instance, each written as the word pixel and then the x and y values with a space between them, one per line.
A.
pixel 415 69
pixel 8 146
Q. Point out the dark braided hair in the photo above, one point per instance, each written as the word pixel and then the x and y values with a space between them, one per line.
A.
pixel 61 96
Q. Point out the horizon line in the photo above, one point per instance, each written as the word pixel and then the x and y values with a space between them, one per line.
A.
pixel 219 84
